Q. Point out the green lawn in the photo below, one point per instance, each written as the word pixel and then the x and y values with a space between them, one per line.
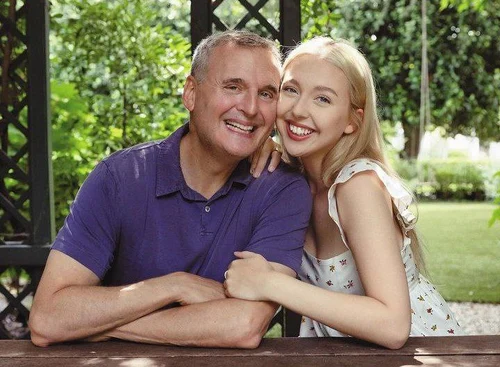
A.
pixel 462 252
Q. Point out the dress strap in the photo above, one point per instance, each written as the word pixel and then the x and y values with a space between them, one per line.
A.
pixel 401 198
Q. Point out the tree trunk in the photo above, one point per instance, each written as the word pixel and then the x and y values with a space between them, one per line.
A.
pixel 412 143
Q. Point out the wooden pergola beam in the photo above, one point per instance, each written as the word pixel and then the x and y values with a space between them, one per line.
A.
pixel 40 140
pixel 202 21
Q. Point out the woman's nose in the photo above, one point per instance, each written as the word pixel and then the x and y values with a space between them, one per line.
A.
pixel 300 109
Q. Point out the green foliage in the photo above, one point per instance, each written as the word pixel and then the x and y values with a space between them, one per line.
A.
pixel 463 54
pixel 452 179
pixel 274 332
pixel 462 5
pixel 459 181
pixel 318 17
pixel 496 213
pixel 72 156
pixel 448 179
pixel 407 169
pixel 118 69
pixel 129 68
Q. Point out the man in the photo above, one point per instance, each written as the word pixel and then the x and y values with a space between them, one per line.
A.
pixel 143 252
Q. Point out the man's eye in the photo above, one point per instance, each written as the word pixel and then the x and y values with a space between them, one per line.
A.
pixel 267 95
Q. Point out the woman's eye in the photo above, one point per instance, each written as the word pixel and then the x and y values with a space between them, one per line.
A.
pixel 290 90
pixel 323 99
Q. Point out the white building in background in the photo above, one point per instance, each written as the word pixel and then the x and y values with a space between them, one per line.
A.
pixel 434 145
pixel 467 145
pixel 494 151
pixel 398 139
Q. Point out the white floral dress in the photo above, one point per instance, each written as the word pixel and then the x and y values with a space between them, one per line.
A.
pixel 430 313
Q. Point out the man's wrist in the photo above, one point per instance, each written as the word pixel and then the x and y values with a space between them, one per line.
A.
pixel 175 283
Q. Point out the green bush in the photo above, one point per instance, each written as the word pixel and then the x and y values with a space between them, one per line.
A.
pixel 459 180
pixel 496 213
pixel 448 179
pixel 425 191
pixel 118 69
pixel 454 179
pixel 407 169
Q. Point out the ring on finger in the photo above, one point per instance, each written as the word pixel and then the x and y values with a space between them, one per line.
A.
pixel 225 274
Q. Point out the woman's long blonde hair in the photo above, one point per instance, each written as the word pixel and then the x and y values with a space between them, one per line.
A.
pixel 366 141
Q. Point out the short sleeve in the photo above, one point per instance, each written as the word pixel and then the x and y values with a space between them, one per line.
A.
pixel 91 230
pixel 401 198
pixel 282 221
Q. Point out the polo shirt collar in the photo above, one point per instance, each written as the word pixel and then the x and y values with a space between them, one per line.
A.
pixel 169 178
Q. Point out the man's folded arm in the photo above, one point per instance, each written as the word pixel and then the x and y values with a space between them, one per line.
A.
pixel 70 303
pixel 226 323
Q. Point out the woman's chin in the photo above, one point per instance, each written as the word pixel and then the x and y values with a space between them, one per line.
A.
pixel 293 152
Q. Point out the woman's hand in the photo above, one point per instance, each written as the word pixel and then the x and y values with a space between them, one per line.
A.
pixel 246 277
pixel 260 157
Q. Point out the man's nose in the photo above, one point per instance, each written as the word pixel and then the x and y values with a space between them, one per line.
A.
pixel 249 104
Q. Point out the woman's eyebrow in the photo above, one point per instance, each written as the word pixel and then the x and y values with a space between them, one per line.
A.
pixel 320 88
pixel 323 88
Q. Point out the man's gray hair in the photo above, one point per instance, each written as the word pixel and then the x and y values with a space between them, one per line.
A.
pixel 202 52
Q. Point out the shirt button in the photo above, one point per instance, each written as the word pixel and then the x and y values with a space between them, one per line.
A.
pixel 207 209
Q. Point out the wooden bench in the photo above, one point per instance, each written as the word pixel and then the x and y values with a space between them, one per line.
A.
pixel 418 351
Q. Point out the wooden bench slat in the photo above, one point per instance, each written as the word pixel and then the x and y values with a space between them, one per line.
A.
pixel 252 361
pixel 286 347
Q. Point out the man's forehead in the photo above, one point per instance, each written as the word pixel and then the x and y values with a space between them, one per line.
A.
pixel 232 53
pixel 237 62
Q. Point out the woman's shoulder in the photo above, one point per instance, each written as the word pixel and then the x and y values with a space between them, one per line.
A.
pixel 361 186
pixel 359 165
pixel 374 175
pixel 375 178
pixel 356 181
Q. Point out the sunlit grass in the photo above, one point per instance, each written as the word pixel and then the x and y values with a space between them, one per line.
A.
pixel 463 253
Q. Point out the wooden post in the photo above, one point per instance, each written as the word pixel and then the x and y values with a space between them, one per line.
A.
pixel 201 21
pixel 40 142
pixel 290 23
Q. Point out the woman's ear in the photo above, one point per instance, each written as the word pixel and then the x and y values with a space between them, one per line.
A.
pixel 353 126
pixel 189 93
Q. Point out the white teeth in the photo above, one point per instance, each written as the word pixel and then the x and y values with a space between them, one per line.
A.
pixel 300 130
pixel 240 126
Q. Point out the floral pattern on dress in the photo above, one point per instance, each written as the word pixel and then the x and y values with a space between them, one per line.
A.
pixel 430 315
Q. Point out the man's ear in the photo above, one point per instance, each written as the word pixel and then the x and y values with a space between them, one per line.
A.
pixel 352 126
pixel 189 93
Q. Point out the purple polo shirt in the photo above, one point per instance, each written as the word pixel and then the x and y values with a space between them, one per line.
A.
pixel 135 217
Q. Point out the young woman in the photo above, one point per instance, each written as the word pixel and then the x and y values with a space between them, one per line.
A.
pixel 360 270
